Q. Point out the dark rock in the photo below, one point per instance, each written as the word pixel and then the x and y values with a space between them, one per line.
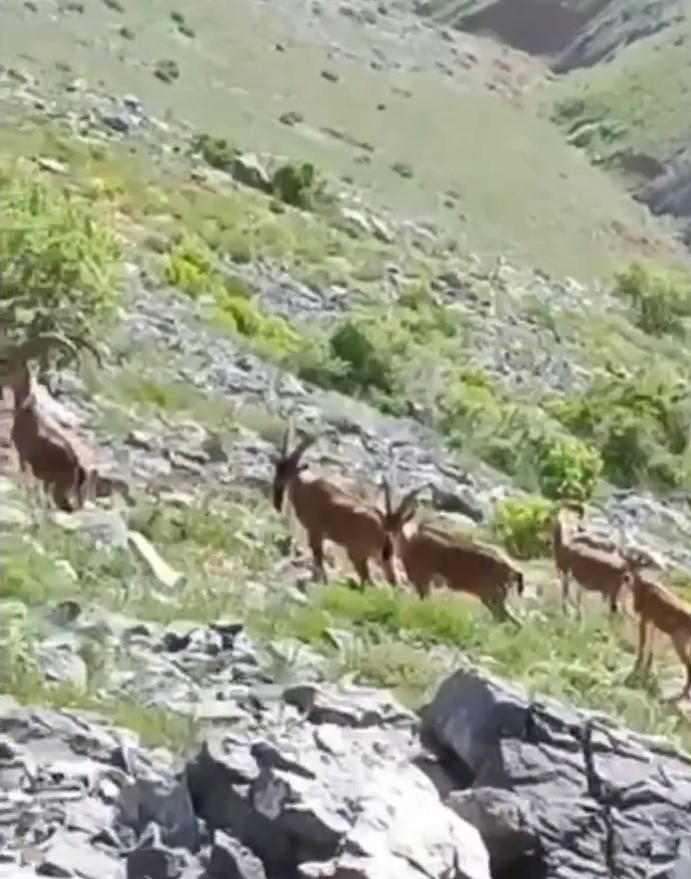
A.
pixel 585 791
pixel 230 860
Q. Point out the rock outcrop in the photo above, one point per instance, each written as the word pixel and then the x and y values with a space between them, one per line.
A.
pixel 559 793
pixel 343 783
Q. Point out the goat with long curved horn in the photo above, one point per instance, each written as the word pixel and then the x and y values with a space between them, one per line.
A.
pixel 430 555
pixel 57 460
pixel 328 512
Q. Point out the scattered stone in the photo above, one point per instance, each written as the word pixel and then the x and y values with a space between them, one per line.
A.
pixel 248 170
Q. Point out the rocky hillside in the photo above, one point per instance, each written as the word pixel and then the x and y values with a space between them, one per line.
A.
pixel 352 217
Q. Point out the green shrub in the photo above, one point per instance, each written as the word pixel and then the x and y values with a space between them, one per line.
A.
pixel 640 423
pixel 523 525
pixel 272 335
pixel 191 267
pixel 355 343
pixel 301 187
pixel 167 70
pixel 294 184
pixel 61 261
pixel 467 398
pixel 215 151
pixel 660 299
pixel 568 467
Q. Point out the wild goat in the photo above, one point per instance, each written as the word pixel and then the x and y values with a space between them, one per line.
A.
pixel 57 460
pixel 593 564
pixel 430 555
pixel 658 608
pixel 327 511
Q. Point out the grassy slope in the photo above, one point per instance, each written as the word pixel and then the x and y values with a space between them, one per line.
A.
pixel 378 637
pixel 638 103
pixel 515 187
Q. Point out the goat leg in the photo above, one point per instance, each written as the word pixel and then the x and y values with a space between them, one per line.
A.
pixel 499 610
pixel 564 576
pixel 361 567
pixel 317 547
pixel 682 648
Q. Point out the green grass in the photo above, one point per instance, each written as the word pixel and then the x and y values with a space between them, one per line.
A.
pixel 562 215
pixel 640 103
pixel 379 637
pixel 377 352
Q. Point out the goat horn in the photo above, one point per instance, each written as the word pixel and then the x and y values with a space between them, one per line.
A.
pixel 36 346
pixel 304 444
pixel 387 495
pixel 408 498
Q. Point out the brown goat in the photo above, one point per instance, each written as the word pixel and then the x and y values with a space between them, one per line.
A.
pixel 60 463
pixel 595 566
pixel 658 608
pixel 327 511
pixel 430 555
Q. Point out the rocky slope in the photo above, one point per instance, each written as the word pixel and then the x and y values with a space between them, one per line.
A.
pixel 179 700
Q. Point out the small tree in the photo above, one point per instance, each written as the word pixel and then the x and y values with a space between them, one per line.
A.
pixel 61 264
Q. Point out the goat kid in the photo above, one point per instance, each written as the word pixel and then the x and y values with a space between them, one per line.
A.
pixel 594 565
pixel 658 608
pixel 430 556
pixel 328 512
pixel 59 462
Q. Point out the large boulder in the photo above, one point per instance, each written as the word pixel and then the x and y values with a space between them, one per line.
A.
pixel 322 784
pixel 337 798
pixel 559 793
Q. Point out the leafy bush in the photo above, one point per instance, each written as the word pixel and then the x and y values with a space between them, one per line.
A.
pixel 294 184
pixel 216 151
pixel 568 467
pixel 192 267
pixel 301 187
pixel 272 335
pixel 355 343
pixel 523 524
pixel 660 299
pixel 640 423
pixel 61 262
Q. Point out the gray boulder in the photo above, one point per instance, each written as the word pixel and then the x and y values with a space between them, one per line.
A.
pixel 559 793
pixel 327 801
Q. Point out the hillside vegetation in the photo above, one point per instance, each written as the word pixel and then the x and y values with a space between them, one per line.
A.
pixel 360 220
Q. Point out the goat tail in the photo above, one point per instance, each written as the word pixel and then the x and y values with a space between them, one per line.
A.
pixel 519 580
pixel 81 483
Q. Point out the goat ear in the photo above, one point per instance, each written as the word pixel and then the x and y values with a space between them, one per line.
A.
pixel 409 500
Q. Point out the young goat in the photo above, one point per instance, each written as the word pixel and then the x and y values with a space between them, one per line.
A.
pixel 594 566
pixel 430 555
pixel 658 608
pixel 58 461
pixel 327 511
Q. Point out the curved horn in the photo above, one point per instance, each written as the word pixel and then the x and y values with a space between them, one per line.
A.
pixel 285 439
pixel 387 496
pixel 407 499
pixel 304 444
pixel 36 346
